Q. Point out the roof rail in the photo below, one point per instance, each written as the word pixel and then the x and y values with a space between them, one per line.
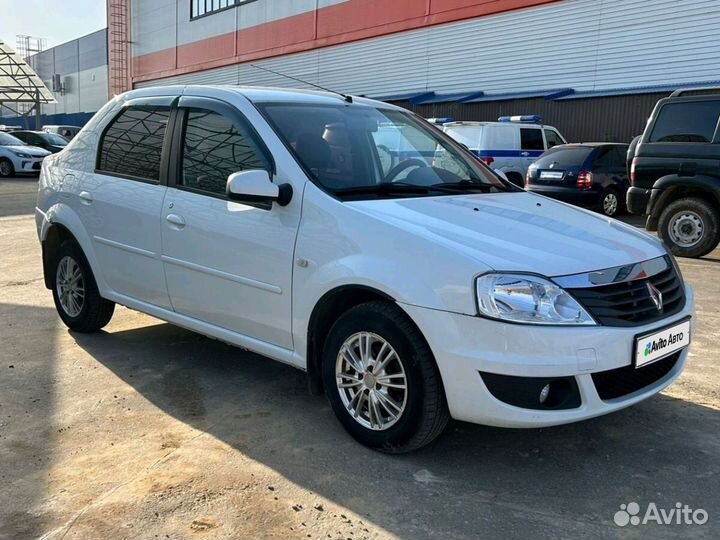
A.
pixel 681 91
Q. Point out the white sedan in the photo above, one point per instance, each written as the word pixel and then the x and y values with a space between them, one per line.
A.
pixel 18 157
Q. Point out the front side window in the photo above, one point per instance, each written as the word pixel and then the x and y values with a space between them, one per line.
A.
pixel 9 140
pixel 552 138
pixel 686 122
pixel 531 139
pixel 215 147
pixel 365 151
pixel 132 143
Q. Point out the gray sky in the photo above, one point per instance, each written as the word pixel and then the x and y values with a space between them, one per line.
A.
pixel 56 20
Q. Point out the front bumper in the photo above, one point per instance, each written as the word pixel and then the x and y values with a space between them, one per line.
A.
pixel 28 165
pixel 637 199
pixel 464 346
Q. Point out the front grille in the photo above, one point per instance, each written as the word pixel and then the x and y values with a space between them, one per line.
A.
pixel 36 166
pixel 629 303
pixel 622 381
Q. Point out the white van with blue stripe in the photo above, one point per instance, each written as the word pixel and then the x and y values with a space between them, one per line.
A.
pixel 509 145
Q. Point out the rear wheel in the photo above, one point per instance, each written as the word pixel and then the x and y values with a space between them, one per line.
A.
pixel 6 167
pixel 690 227
pixel 610 202
pixel 75 292
pixel 381 379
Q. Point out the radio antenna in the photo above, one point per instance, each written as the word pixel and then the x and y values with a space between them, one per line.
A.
pixel 347 97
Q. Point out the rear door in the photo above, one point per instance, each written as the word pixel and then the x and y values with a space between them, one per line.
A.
pixel 608 168
pixel 532 145
pixel 227 264
pixel 121 202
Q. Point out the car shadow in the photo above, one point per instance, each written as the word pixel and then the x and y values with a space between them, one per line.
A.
pixel 473 482
pixel 27 423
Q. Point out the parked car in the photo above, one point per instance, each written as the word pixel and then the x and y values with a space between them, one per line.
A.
pixel 675 173
pixel 18 157
pixel 64 131
pixel 449 293
pixel 509 145
pixel 592 175
pixel 41 139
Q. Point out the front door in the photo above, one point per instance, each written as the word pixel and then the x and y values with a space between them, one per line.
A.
pixel 227 264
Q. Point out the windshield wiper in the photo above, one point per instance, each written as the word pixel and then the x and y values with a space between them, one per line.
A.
pixel 463 185
pixel 394 188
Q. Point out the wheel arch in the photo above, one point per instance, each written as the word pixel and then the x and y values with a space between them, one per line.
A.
pixel 61 223
pixel 669 189
pixel 326 311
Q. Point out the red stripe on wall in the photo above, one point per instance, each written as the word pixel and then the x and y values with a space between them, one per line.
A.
pixel 334 25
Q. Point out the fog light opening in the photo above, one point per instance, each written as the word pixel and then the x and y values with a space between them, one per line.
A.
pixel 554 393
pixel 544 393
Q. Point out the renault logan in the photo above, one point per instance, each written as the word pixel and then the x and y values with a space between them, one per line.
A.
pixel 410 292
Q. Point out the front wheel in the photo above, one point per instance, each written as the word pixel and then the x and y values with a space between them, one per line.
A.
pixel 690 227
pixel 6 168
pixel 382 381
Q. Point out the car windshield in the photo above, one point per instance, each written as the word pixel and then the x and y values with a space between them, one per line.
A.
pixel 57 140
pixel 9 140
pixel 361 151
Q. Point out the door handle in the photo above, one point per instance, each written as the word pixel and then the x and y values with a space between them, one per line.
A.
pixel 85 197
pixel 175 220
pixel 525 154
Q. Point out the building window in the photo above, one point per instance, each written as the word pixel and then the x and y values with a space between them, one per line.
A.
pixel 198 8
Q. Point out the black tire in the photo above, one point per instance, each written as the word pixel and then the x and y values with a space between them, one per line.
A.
pixel 426 413
pixel 95 311
pixel 7 166
pixel 516 179
pixel 602 208
pixel 695 212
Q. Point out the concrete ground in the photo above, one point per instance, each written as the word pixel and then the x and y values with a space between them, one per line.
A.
pixel 149 431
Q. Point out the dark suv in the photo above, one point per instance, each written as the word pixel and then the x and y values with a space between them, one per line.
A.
pixel 675 172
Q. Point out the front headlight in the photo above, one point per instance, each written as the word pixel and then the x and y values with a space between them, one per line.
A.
pixel 528 299
pixel 22 155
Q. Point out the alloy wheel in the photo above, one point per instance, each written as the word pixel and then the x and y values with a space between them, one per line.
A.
pixel 5 168
pixel 610 204
pixel 371 381
pixel 70 286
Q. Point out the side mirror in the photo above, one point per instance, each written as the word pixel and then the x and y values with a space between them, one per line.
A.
pixel 255 186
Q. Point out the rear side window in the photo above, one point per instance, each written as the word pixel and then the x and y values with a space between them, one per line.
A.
pixel 132 143
pixel 531 139
pixel 611 158
pixel 686 122
pixel 571 156
pixel 214 148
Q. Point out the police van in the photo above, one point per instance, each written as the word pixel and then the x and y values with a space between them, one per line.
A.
pixel 509 145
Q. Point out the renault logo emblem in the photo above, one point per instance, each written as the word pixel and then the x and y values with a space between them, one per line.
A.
pixel 655 296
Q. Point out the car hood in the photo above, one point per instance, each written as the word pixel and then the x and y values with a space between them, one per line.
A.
pixel 30 150
pixel 519 232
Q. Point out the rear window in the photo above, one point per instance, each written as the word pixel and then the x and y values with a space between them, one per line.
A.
pixel 686 122
pixel 564 157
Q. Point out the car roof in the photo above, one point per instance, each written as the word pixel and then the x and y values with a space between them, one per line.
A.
pixel 262 94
